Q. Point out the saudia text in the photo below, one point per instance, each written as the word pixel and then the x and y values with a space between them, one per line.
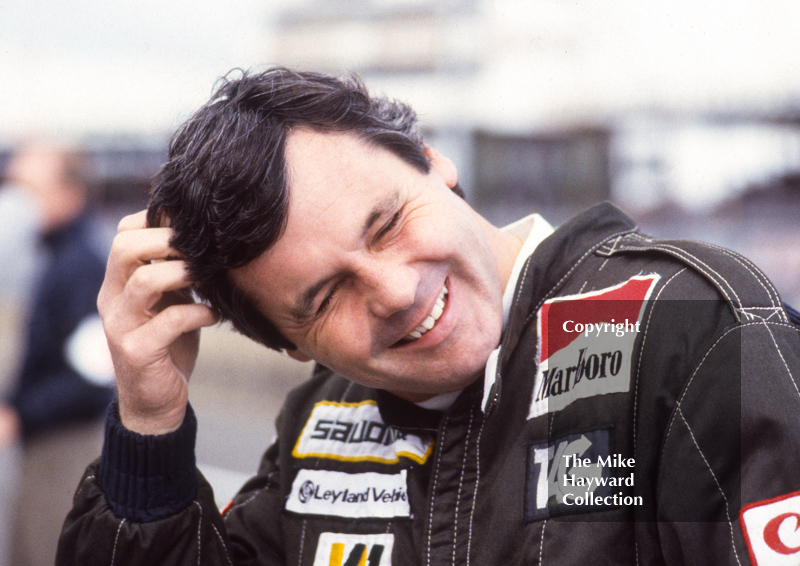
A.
pixel 355 432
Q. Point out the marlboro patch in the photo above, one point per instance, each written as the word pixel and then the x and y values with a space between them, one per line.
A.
pixel 586 343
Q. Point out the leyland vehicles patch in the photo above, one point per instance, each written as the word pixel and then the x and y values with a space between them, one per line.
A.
pixel 355 432
pixel 357 496
pixel 586 343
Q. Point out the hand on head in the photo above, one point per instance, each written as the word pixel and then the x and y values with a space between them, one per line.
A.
pixel 151 326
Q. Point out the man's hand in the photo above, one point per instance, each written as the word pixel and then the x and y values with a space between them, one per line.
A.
pixel 152 326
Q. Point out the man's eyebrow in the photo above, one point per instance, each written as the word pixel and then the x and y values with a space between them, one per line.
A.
pixel 301 310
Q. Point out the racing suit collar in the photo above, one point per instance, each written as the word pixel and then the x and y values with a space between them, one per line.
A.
pixel 410 417
pixel 532 230
pixel 541 276
pixel 544 273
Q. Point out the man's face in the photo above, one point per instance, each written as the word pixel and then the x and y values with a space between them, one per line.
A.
pixel 374 253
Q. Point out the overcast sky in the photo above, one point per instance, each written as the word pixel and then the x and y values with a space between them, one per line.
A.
pixel 129 66
pixel 141 66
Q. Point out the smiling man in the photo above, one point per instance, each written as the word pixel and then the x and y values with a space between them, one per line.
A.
pixel 453 416
pixel 382 273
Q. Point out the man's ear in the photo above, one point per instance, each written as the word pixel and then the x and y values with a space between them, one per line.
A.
pixel 298 355
pixel 442 166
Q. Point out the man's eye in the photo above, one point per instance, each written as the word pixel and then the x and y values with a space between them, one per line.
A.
pixel 323 306
pixel 387 227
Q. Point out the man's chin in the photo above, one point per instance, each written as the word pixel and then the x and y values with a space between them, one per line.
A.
pixel 448 385
pixel 413 397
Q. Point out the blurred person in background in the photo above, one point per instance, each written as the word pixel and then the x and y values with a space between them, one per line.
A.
pixel 19 260
pixel 65 379
pixel 19 225
pixel 483 395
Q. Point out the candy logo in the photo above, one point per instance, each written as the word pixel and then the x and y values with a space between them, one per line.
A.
pixel 772 535
pixel 771 530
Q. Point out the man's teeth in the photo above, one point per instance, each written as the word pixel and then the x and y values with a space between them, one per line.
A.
pixel 431 319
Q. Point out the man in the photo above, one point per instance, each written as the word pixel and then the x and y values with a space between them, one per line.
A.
pixel 482 396
pixel 65 380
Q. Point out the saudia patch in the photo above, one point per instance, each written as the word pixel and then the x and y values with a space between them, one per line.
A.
pixel 355 432
pixel 586 342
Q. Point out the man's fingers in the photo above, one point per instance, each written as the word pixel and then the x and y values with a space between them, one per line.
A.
pixel 135 221
pixel 133 249
pixel 141 246
pixel 150 341
pixel 149 290
pixel 177 320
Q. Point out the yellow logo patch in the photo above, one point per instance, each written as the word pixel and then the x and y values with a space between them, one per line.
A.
pixel 337 549
pixel 355 432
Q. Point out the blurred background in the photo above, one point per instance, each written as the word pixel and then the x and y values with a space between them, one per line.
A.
pixel 685 114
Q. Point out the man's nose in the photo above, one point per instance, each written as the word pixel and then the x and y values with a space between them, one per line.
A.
pixel 390 287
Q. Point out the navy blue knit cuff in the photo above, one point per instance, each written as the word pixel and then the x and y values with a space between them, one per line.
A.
pixel 146 478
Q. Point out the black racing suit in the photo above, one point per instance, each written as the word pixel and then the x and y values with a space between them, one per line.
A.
pixel 577 449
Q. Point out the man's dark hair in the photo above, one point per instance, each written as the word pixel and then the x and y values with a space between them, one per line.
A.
pixel 224 189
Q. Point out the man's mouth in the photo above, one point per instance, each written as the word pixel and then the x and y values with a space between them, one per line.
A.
pixel 430 320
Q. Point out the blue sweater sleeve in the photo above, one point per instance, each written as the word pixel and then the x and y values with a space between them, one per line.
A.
pixel 146 478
